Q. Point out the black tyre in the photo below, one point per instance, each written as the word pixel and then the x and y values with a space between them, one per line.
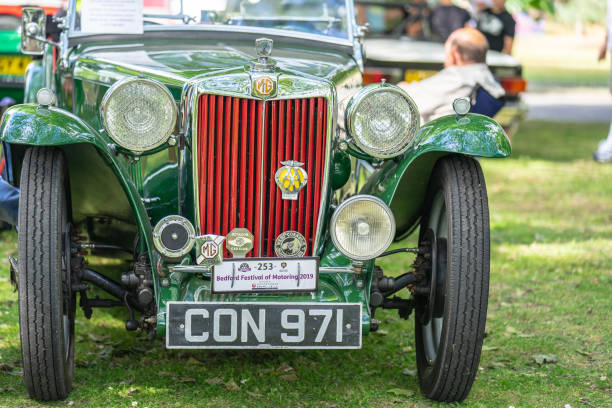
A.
pixel 46 304
pixel 450 318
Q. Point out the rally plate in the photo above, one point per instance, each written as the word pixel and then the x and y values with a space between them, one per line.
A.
pixel 268 325
pixel 265 275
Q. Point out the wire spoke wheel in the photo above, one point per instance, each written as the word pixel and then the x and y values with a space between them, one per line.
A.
pixel 450 315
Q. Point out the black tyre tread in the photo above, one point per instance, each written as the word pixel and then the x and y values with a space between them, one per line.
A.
pixel 471 316
pixel 467 303
pixel 42 182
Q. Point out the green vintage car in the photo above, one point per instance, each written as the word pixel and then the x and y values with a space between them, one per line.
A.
pixel 233 158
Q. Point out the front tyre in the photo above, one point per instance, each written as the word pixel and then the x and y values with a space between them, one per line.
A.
pixel 46 302
pixel 450 317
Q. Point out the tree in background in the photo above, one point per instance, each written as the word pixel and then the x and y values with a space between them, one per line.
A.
pixel 544 5
pixel 580 11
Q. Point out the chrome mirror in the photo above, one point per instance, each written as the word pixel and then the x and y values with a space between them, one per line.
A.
pixel 33 35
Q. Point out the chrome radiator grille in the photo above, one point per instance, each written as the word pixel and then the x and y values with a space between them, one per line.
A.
pixel 240 144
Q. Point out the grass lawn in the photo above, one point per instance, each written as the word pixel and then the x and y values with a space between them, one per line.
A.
pixel 562 60
pixel 551 265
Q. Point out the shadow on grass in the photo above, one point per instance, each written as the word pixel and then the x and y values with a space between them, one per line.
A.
pixel 115 367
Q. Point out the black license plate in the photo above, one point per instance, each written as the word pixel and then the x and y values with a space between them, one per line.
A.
pixel 270 325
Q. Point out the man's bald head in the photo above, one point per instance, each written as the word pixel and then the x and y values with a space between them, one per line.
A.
pixel 466 46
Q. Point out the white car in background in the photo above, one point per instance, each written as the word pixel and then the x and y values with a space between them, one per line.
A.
pixel 392 55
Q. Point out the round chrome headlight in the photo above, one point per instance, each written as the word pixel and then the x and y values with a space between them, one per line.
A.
pixel 382 120
pixel 362 227
pixel 138 114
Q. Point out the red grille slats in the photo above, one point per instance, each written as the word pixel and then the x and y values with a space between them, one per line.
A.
pixel 203 147
pixel 295 155
pixel 258 182
pixel 226 147
pixel 318 165
pixel 303 111
pixel 281 154
pixel 251 166
pixel 309 167
pixel 272 183
pixel 241 144
pixel 218 167
pixel 242 220
pixel 287 156
pixel 211 165
pixel 234 163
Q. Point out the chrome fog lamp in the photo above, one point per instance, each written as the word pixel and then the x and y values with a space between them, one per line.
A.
pixel 382 120
pixel 362 227
pixel 174 236
pixel 138 114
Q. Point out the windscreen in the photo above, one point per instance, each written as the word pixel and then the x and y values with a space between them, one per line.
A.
pixel 319 17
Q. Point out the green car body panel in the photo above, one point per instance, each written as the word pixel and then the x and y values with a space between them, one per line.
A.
pixel 402 184
pixel 131 196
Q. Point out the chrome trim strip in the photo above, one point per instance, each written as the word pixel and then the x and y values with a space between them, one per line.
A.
pixel 339 269
pixel 194 112
pixel 331 125
pixel 261 174
pixel 207 271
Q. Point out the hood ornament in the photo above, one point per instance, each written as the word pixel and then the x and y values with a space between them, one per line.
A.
pixel 263 46
pixel 263 49
pixel 263 77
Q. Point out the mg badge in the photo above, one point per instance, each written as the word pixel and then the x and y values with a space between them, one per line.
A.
pixel 239 242
pixel 291 178
pixel 264 86
pixel 209 250
pixel 290 244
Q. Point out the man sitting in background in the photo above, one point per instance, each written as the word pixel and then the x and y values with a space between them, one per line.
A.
pixel 465 72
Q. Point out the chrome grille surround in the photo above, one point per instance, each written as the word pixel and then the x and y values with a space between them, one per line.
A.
pixel 239 85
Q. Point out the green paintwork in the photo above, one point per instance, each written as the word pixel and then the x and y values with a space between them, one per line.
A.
pixel 402 183
pixel 126 197
pixel 341 169
pixel 32 125
pixel 333 287
pixel 174 64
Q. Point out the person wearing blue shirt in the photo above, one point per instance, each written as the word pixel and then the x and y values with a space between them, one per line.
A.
pixel 9 202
